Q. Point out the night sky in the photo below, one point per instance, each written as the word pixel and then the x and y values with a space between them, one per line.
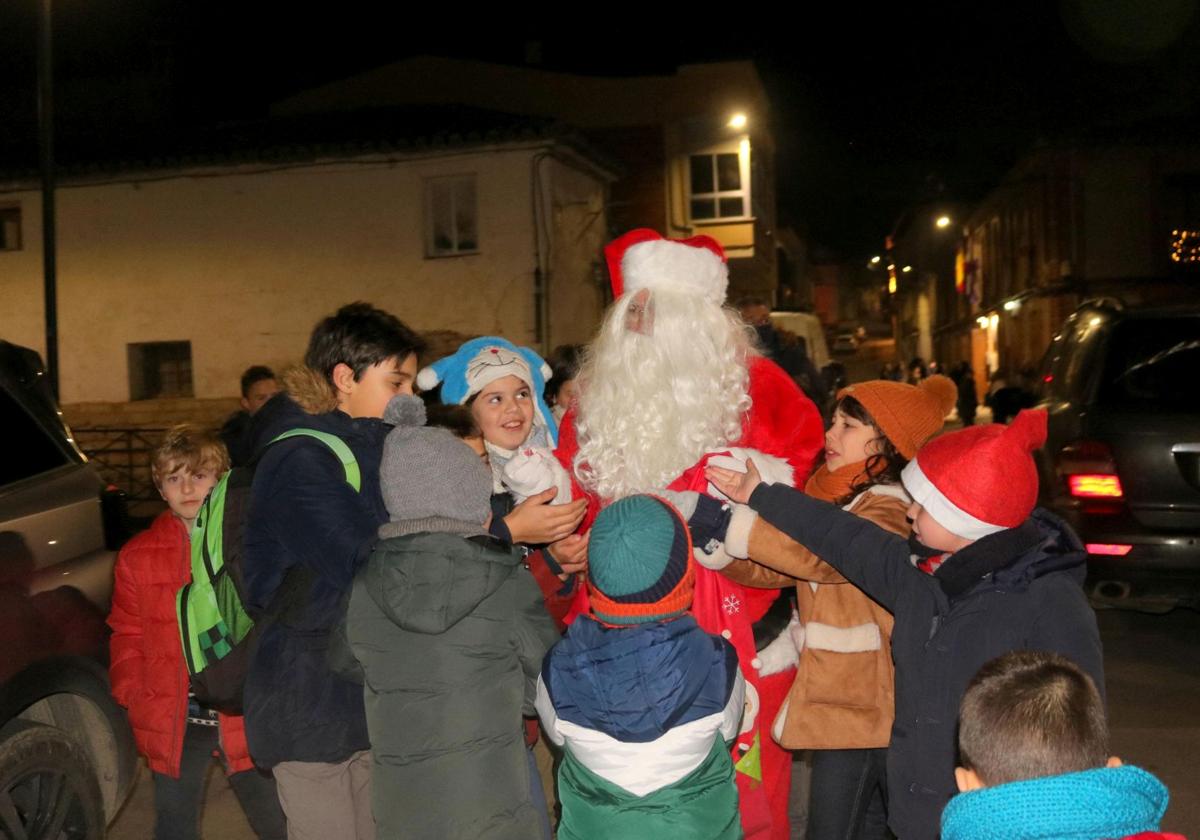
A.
pixel 873 111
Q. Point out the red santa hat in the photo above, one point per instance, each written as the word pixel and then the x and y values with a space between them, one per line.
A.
pixel 642 259
pixel 980 480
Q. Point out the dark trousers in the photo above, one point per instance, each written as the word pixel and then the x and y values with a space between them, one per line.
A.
pixel 177 802
pixel 849 795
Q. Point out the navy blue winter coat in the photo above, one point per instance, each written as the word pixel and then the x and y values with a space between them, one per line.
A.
pixel 1032 601
pixel 302 512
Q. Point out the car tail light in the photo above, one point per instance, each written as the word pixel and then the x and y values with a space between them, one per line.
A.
pixel 1110 549
pixel 1095 486
pixel 1089 471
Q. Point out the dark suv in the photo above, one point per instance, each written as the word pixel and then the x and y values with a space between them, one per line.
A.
pixel 67 758
pixel 1122 461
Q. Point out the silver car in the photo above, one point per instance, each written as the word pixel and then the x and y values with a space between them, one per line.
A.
pixel 67 757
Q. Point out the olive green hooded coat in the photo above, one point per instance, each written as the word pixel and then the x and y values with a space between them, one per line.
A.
pixel 451 632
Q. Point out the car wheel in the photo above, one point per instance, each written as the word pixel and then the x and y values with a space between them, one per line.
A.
pixel 48 789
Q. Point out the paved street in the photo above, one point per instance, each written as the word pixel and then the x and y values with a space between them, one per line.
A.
pixel 1154 702
pixel 1153 690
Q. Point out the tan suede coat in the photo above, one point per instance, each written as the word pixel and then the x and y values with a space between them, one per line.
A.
pixel 844 695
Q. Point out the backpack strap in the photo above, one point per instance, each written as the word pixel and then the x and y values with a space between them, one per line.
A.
pixel 337 446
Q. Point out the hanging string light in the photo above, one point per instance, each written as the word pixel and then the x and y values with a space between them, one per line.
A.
pixel 1185 246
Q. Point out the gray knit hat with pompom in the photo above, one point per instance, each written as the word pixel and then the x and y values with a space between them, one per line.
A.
pixel 431 480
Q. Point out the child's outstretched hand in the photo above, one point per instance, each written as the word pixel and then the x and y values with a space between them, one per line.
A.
pixel 736 485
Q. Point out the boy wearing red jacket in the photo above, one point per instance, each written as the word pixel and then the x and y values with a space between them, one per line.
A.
pixel 177 737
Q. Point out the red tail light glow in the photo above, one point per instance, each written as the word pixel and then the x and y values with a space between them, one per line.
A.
pixel 1088 469
pixel 1110 549
pixel 1095 486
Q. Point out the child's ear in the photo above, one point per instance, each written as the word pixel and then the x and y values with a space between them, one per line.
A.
pixel 343 378
pixel 967 780
pixel 1113 761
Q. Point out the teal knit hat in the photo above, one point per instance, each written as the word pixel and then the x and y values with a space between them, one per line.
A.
pixel 639 562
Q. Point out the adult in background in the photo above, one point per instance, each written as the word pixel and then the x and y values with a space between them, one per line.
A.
pixel 258 385
pixel 968 399
pixel 784 348
pixel 671 381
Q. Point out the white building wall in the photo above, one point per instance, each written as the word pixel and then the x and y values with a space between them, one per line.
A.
pixel 242 264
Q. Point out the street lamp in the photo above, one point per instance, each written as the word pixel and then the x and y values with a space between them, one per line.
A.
pixel 737 121
pixel 943 221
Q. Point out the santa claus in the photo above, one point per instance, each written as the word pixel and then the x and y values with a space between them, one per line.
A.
pixel 672 381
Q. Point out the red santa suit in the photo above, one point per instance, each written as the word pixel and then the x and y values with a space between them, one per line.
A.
pixel 783 431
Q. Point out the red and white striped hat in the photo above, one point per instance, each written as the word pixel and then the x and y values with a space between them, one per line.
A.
pixel 979 480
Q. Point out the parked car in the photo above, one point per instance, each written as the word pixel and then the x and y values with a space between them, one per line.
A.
pixel 1122 459
pixel 67 758
pixel 845 343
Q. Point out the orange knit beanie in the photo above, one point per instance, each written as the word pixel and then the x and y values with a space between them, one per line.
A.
pixel 908 415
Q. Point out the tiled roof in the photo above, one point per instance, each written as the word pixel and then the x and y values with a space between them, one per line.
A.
pixel 297 139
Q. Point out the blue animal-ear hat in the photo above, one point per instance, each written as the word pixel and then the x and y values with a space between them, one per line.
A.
pixel 481 361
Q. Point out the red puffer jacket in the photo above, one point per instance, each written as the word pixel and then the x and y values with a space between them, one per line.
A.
pixel 147 671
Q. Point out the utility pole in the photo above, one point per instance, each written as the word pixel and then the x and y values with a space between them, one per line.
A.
pixel 46 155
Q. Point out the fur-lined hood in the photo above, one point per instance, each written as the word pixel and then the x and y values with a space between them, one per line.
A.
pixel 310 389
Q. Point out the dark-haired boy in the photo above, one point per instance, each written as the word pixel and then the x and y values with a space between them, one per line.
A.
pixel 1034 762
pixel 259 384
pixel 307 532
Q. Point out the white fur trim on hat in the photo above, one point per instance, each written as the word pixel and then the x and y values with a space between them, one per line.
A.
pixel 947 514
pixel 674 266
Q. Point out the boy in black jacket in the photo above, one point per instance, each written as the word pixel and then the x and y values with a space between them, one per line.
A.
pixel 308 531
pixel 982 574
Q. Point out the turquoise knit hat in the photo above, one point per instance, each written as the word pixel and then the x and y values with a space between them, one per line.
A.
pixel 639 562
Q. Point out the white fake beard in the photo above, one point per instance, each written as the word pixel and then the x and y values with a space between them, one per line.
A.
pixel 650 406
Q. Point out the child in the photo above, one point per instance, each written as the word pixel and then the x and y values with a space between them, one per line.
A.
pixel 1033 749
pixel 562 390
pixel 175 735
pixel 842 699
pixel 981 574
pixel 451 633
pixel 522 460
pixel 643 699
pixel 308 531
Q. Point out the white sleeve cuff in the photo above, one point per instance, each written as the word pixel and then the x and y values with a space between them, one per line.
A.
pixel 716 561
pixel 737 537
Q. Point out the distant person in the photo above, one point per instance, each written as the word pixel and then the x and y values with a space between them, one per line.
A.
pixel 1034 762
pixel 968 400
pixel 786 349
pixel 1007 396
pixel 258 385
pixel 917 370
pixel 175 734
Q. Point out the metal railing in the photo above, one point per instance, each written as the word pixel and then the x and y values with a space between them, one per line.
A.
pixel 122 456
